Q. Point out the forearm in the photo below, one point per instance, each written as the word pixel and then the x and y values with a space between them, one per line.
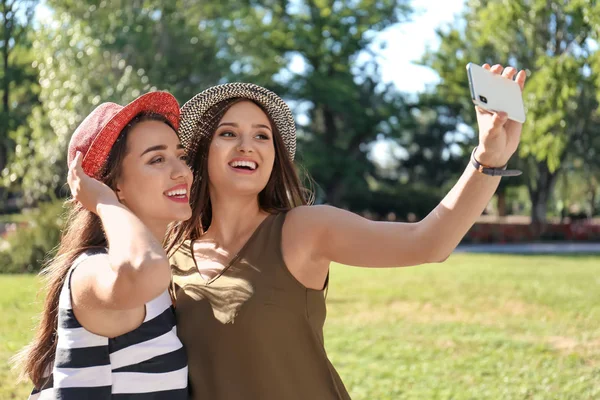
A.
pixel 448 223
pixel 132 246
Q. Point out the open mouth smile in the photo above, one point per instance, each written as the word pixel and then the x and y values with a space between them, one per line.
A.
pixel 243 166
pixel 178 194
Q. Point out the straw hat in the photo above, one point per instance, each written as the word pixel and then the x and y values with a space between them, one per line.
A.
pixel 96 135
pixel 196 120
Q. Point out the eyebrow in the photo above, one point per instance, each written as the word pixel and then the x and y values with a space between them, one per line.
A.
pixel 237 126
pixel 160 147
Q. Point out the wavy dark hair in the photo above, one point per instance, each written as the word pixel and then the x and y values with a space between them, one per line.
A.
pixel 82 231
pixel 283 191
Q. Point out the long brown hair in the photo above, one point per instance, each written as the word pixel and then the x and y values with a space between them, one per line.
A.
pixel 283 191
pixel 83 231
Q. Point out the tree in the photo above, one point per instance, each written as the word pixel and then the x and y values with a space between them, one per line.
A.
pixel 173 42
pixel 577 189
pixel 109 51
pixel 435 152
pixel 18 85
pixel 337 88
pixel 553 39
pixel 75 74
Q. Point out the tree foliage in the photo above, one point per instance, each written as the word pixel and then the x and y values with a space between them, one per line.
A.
pixel 92 52
pixel 75 75
pixel 557 42
pixel 333 80
pixel 18 80
pixel 321 56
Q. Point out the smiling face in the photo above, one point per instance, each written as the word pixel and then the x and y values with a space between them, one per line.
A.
pixel 233 137
pixel 241 154
pixel 154 179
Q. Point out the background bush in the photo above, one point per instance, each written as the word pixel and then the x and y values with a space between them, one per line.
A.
pixel 25 249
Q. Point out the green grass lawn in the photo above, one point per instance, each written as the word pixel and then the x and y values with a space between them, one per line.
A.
pixel 475 327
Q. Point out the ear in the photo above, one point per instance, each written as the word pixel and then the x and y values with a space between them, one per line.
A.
pixel 119 193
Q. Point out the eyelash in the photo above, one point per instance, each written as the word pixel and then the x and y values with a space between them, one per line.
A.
pixel 156 160
pixel 225 133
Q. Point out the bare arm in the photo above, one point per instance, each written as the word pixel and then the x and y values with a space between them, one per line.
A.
pixel 136 269
pixel 335 235
pixel 341 236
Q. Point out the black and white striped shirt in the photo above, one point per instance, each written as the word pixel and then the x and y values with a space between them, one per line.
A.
pixel 147 363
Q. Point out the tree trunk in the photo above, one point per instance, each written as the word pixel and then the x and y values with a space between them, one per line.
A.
pixel 539 206
pixel 539 195
pixel 4 126
pixel 593 191
pixel 501 203
pixel 7 28
pixel 335 191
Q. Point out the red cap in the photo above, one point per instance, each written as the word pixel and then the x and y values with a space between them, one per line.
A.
pixel 96 135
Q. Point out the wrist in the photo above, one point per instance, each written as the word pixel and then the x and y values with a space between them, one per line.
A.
pixel 492 171
pixel 487 159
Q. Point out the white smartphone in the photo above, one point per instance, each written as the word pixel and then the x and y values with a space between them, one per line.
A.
pixel 495 93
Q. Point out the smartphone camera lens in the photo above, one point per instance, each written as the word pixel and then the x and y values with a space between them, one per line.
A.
pixel 483 99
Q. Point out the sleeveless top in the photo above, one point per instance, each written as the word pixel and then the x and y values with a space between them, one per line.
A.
pixel 254 331
pixel 147 363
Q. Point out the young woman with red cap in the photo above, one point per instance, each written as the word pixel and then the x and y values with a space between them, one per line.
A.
pixel 250 276
pixel 107 329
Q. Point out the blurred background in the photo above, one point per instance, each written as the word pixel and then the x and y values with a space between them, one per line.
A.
pixel 380 93
pixel 379 89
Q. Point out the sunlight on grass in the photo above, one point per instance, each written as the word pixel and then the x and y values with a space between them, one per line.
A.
pixel 477 326
pixel 19 305
pixel 474 327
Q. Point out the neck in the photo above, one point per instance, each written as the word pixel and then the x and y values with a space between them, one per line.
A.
pixel 233 217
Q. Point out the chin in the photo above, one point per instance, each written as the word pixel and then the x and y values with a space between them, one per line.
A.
pixel 183 216
pixel 175 216
pixel 247 188
pixel 245 192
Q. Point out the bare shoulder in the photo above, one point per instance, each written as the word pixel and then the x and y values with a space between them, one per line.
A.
pixel 89 269
pixel 305 223
pixel 91 289
pixel 87 276
pixel 315 215
pixel 303 230
pixel 317 219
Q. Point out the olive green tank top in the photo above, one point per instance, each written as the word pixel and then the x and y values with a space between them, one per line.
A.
pixel 254 331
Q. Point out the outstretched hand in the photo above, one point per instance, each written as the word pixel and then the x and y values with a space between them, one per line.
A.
pixel 498 135
pixel 85 189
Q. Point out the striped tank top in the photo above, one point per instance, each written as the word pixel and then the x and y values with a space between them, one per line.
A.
pixel 147 363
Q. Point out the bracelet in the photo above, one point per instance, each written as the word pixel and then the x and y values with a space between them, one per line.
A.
pixel 484 169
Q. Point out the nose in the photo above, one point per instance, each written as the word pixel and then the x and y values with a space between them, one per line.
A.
pixel 180 170
pixel 245 144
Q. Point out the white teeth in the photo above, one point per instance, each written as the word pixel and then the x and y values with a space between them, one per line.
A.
pixel 249 164
pixel 178 192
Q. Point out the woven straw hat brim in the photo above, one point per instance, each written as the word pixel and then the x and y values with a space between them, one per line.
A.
pixel 194 112
pixel 162 103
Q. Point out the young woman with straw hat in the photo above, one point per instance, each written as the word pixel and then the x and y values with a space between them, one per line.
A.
pixel 107 330
pixel 251 266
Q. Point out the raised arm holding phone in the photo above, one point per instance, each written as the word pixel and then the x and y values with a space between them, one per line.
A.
pixel 251 265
